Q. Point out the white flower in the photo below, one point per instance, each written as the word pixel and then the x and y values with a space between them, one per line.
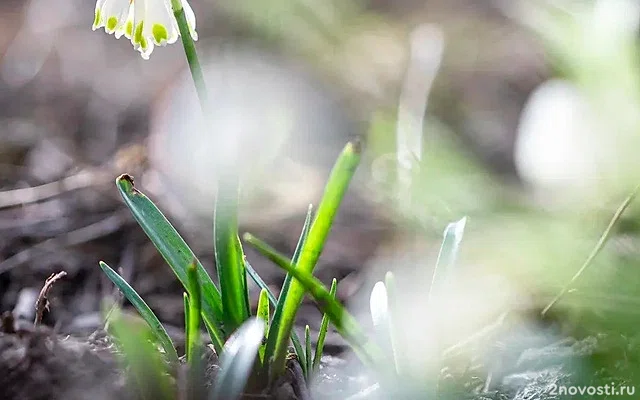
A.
pixel 147 23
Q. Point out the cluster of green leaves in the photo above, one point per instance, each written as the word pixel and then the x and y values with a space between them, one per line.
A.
pixel 376 353
pixel 225 309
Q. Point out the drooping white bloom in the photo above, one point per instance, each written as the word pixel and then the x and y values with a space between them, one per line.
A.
pixel 147 23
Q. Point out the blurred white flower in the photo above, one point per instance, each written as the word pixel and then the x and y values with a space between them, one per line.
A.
pixel 147 23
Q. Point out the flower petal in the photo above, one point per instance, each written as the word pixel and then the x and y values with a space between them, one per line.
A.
pixel 139 41
pixel 147 23
pixel 191 19
pixel 98 21
pixel 110 14
pixel 159 25
pixel 127 28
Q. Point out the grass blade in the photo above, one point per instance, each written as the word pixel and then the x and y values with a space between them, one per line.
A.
pixel 279 305
pixel 448 253
pixel 307 353
pixel 324 326
pixel 297 346
pixel 187 306
pixel 379 306
pixel 229 256
pixel 263 313
pixel 145 312
pixel 195 365
pixel 335 189
pixel 195 301
pixel 344 322
pixel 398 350
pixel 151 375
pixel 175 252
pixel 596 250
pixel 237 360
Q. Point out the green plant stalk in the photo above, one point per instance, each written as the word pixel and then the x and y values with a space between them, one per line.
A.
pixel 324 326
pixel 337 185
pixel 145 312
pixel 235 305
pixel 228 251
pixel 191 54
pixel 193 329
pixel 229 256
pixel 279 305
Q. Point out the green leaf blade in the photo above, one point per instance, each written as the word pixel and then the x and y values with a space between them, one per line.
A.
pixel 447 256
pixel 324 326
pixel 187 307
pixel 229 256
pixel 145 312
pixel 237 360
pixel 297 345
pixel 344 322
pixel 337 185
pixel 279 304
pixel 263 313
pixel 307 353
pixel 195 302
pixel 150 373
pixel 175 252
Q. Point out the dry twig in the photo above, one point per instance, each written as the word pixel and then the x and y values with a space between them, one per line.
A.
pixel 43 303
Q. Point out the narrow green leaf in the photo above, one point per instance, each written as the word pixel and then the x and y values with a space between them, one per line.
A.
pixel 279 306
pixel 195 362
pixel 175 252
pixel 379 308
pixel 145 312
pixel 344 322
pixel 446 258
pixel 604 238
pixel 337 185
pixel 229 255
pixel 194 316
pixel 307 354
pixel 263 313
pixel 214 333
pixel 237 360
pixel 397 344
pixel 297 346
pixel 150 372
pixel 187 307
pixel 324 326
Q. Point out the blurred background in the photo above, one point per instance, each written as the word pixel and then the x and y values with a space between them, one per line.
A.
pixel 531 130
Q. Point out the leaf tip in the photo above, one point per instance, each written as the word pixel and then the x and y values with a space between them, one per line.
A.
pixel 125 178
pixel 356 145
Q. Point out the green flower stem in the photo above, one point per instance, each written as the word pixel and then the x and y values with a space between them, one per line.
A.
pixel 228 250
pixel 190 52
